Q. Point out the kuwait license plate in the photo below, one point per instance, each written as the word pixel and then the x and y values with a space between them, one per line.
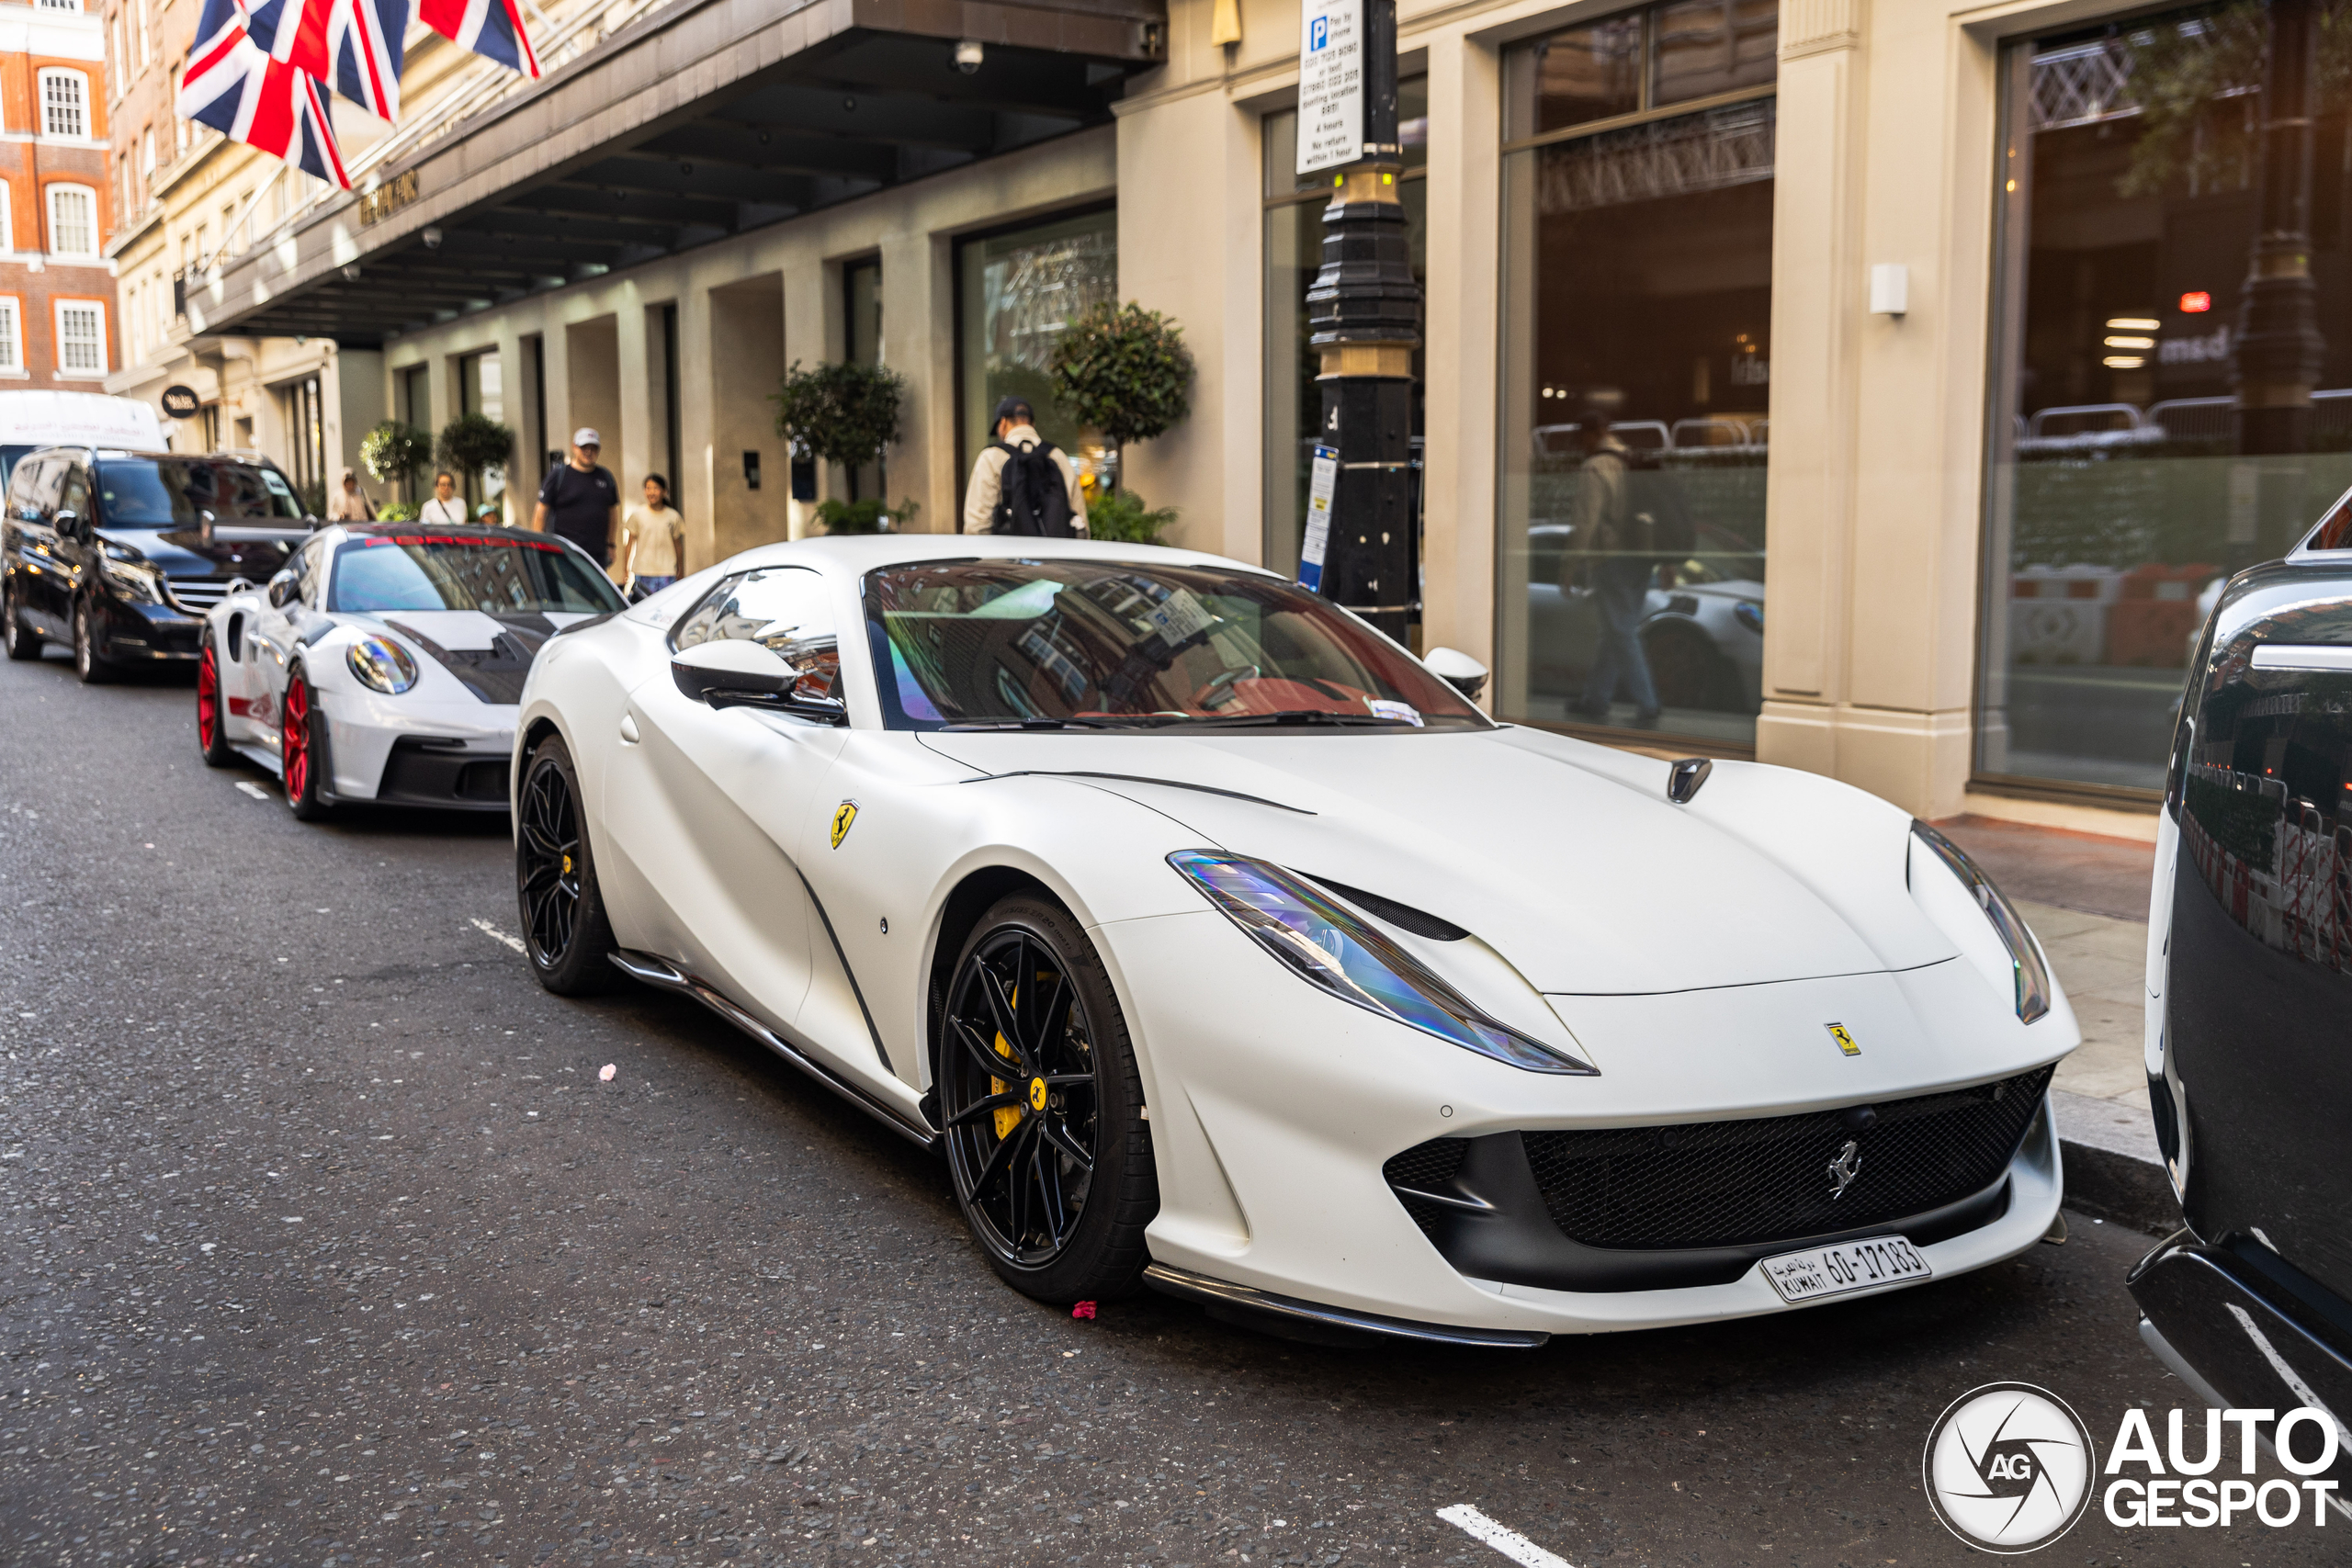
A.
pixel 1821 1272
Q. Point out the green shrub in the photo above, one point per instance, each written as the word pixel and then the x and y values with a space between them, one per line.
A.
pixel 1125 371
pixel 839 414
pixel 397 511
pixel 392 453
pixel 1121 516
pixel 867 517
pixel 473 442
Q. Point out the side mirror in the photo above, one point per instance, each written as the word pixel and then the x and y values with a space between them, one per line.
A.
pixel 1457 670
pixel 733 673
pixel 68 525
pixel 281 589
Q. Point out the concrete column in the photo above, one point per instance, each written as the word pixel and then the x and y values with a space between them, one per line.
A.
pixel 813 335
pixel 745 330
pixel 1459 412
pixel 593 371
pixel 693 486
pixel 634 452
pixel 513 394
pixel 919 343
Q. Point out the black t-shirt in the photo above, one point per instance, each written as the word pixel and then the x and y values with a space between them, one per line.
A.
pixel 580 507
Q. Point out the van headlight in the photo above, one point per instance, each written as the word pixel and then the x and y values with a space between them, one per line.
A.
pixel 2032 976
pixel 382 665
pixel 1333 951
pixel 132 573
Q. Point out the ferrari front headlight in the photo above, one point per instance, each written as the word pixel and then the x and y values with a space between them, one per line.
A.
pixel 1333 951
pixel 382 665
pixel 2032 976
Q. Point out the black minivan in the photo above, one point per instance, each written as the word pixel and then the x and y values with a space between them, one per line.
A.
pixel 120 554
pixel 2250 1080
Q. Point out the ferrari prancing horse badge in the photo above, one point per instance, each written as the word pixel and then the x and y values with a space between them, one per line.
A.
pixel 844 815
pixel 1836 1031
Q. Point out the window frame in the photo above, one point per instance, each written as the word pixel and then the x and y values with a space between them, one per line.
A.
pixel 52 74
pixel 49 194
pixel 12 336
pixel 58 307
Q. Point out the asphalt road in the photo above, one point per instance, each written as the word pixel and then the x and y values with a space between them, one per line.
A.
pixel 324 1243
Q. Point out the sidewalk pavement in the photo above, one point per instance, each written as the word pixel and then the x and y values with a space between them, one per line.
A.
pixel 2086 898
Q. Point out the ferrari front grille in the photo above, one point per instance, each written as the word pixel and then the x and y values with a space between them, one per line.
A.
pixel 1716 1184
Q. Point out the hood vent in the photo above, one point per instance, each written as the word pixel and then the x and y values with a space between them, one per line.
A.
pixel 1404 917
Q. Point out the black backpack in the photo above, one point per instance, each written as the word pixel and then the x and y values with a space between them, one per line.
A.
pixel 1659 513
pixel 1030 498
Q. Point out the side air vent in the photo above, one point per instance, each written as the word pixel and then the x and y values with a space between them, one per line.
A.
pixel 1404 917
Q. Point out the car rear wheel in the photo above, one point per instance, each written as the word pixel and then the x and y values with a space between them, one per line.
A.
pixel 23 641
pixel 211 738
pixel 304 758
pixel 565 932
pixel 93 669
pixel 1043 1108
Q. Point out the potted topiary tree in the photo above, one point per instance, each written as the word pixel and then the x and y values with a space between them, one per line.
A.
pixel 394 452
pixel 1125 371
pixel 846 413
pixel 474 442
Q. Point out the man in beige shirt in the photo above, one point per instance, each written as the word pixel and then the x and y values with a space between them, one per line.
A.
pixel 1016 426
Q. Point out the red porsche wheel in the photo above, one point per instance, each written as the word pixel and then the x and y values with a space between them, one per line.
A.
pixel 300 752
pixel 210 738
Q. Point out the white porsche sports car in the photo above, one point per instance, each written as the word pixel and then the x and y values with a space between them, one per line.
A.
pixel 1224 947
pixel 383 663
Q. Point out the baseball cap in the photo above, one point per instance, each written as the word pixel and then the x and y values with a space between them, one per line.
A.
pixel 586 436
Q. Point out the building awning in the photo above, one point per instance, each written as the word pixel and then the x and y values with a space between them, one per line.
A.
pixel 705 119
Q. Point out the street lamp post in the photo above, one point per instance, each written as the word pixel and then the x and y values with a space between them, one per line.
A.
pixel 1364 312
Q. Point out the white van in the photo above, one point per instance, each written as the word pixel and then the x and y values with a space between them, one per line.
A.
pixel 30 420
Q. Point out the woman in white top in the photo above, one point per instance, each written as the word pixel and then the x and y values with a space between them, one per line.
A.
pixel 654 546
pixel 445 506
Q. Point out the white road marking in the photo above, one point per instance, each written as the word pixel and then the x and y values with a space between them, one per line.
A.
pixel 253 789
pixel 1509 1543
pixel 496 935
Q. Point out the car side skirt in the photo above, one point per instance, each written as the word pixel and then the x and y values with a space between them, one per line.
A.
pixel 1283 1315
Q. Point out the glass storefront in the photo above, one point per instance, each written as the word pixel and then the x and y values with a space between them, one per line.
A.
pixel 1295 207
pixel 1637 210
pixel 2156 422
pixel 482 388
pixel 1017 291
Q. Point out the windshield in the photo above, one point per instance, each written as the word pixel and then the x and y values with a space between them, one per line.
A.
pixel 170 493
pixel 1115 644
pixel 520 576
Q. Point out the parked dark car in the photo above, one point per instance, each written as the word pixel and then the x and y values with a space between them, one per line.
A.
pixel 2250 997
pixel 118 554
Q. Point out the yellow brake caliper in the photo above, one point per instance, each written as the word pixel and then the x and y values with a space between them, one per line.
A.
pixel 1007 1117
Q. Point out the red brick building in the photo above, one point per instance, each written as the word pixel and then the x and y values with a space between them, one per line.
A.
pixel 57 296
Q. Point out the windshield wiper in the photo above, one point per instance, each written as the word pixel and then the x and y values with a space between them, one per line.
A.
pixel 1038 724
pixel 1299 715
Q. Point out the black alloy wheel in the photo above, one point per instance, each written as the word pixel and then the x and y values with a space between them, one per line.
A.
pixel 1043 1108
pixel 24 643
pixel 93 670
pixel 566 933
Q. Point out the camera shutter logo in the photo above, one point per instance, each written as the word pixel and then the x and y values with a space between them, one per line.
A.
pixel 2009 1468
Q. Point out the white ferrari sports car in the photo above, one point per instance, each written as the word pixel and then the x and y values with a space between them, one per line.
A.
pixel 383 663
pixel 1224 947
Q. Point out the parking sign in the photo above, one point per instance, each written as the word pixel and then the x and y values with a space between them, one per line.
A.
pixel 1330 85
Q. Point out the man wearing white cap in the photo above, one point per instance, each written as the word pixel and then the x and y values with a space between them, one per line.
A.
pixel 579 500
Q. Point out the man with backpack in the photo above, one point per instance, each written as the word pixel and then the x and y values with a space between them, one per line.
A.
pixel 1022 483
pixel 1630 520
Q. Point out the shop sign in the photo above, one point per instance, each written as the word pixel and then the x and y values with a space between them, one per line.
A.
pixel 181 402
pixel 388 198
pixel 1330 85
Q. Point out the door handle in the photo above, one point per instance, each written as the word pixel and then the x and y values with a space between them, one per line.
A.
pixel 629 729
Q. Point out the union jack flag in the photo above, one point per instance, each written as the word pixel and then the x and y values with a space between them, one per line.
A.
pixel 492 29
pixel 234 86
pixel 353 46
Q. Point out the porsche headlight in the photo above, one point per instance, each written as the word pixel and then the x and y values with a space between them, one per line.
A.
pixel 1335 952
pixel 382 665
pixel 2024 955
pixel 132 573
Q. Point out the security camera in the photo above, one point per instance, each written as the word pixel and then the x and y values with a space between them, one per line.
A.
pixel 968 55
pixel 433 237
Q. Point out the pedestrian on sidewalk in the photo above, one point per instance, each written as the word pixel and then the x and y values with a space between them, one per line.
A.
pixel 1619 564
pixel 443 505
pixel 653 543
pixel 350 504
pixel 579 500
pixel 1022 483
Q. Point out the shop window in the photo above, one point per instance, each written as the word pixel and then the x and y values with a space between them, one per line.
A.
pixel 72 220
pixel 1017 292
pixel 64 105
pixel 1294 249
pixel 81 338
pixel 862 344
pixel 2148 436
pixel 482 388
pixel 300 408
pixel 1636 344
